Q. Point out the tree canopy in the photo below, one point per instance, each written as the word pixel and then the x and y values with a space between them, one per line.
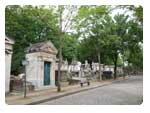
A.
pixel 95 31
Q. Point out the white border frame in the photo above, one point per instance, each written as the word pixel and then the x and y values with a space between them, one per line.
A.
pixel 84 108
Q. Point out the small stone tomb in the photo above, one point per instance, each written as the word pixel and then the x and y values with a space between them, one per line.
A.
pixel 41 68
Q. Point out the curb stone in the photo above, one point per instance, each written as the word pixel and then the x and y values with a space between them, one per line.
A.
pixel 66 94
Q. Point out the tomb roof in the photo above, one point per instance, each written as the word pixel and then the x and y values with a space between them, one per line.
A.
pixel 47 47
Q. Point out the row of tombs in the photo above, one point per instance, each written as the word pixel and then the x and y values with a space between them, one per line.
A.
pixel 42 69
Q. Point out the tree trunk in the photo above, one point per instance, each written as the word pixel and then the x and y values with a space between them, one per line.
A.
pixel 123 68
pixel 115 71
pixel 60 54
pixel 99 62
pixel 115 66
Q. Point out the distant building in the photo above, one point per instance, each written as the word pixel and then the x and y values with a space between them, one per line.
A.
pixel 8 55
pixel 41 68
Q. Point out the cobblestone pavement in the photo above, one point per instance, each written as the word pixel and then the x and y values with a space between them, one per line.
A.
pixel 127 92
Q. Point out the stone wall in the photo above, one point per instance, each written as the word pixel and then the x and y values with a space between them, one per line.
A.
pixel 7 71
pixel 8 55
pixel 35 69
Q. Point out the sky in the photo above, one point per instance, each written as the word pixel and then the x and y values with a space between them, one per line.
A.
pixel 114 12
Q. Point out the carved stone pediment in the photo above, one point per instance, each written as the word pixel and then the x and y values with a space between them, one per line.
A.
pixel 47 47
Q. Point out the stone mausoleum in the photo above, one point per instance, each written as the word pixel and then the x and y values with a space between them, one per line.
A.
pixel 8 55
pixel 41 68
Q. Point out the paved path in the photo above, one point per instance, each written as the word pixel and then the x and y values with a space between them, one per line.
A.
pixel 44 95
pixel 128 92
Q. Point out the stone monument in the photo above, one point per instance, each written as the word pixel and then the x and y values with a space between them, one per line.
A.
pixel 41 68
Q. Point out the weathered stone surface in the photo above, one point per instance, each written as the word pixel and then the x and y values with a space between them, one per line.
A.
pixel 8 54
pixel 37 54
pixel 46 47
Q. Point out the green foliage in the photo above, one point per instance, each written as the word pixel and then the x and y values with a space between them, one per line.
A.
pixel 28 25
pixel 118 39
pixel 69 49
pixel 110 36
pixel 139 13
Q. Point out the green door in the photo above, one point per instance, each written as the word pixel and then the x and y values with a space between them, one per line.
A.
pixel 46 73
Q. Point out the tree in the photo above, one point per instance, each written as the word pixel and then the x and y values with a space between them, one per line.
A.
pixel 70 46
pixel 106 32
pixel 95 34
pixel 121 31
pixel 89 18
pixel 108 36
pixel 135 45
pixel 61 10
pixel 137 11
pixel 27 25
pixel 134 42
pixel 32 24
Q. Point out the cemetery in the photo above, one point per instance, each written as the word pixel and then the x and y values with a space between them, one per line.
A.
pixel 42 70
pixel 44 54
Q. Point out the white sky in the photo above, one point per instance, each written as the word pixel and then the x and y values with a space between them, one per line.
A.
pixel 116 11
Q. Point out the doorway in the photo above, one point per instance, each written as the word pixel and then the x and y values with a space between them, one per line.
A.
pixel 47 73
